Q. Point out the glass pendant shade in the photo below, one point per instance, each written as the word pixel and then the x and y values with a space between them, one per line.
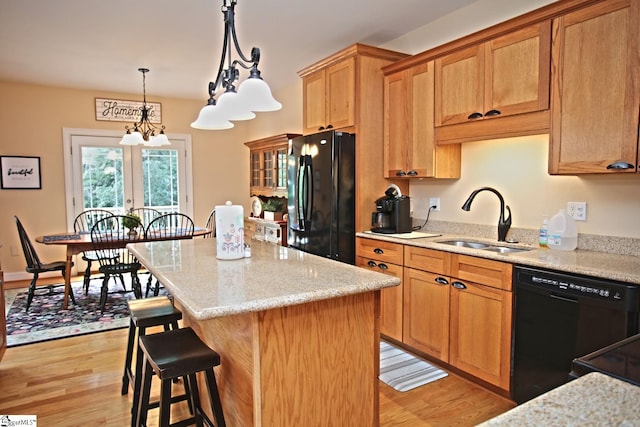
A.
pixel 211 119
pixel 233 107
pixel 132 138
pixel 161 139
pixel 256 95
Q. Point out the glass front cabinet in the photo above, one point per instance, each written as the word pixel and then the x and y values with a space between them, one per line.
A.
pixel 268 165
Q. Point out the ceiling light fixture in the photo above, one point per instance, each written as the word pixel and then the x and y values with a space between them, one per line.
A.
pixel 253 94
pixel 144 132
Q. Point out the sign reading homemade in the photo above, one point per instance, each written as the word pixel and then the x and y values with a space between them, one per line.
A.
pixel 120 110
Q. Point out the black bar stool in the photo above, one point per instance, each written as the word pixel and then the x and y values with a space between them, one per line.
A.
pixel 174 354
pixel 144 313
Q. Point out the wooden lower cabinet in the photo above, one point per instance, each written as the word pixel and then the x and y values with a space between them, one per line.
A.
pixel 387 258
pixel 426 313
pixel 480 332
pixel 457 308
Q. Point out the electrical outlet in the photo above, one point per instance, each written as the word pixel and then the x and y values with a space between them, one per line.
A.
pixel 14 251
pixel 578 210
pixel 435 201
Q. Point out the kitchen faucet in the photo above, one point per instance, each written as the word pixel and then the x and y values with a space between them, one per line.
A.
pixel 503 224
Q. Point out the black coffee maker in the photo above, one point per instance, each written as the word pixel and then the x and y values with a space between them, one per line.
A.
pixel 393 213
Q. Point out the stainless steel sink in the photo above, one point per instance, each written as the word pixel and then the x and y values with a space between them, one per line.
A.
pixel 465 244
pixel 484 246
pixel 505 249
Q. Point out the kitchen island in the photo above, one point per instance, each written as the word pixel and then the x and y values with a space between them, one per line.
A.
pixel 298 334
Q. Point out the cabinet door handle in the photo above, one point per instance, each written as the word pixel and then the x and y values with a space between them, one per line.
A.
pixel 401 173
pixel 372 264
pixel 329 126
pixel 620 165
pixel 474 116
pixel 321 128
pixel 378 251
pixel 492 113
pixel 441 281
pixel 459 285
pixel 412 173
pixel 383 266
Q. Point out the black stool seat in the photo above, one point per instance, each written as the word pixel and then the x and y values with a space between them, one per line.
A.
pixel 145 313
pixel 174 354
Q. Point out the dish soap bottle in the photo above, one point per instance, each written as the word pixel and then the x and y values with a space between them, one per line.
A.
pixel 562 232
pixel 542 234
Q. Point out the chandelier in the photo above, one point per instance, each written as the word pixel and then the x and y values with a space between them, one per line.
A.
pixel 253 94
pixel 144 132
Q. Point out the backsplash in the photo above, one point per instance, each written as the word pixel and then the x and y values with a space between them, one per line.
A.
pixel 586 242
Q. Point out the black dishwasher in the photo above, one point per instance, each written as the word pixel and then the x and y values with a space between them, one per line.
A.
pixel 559 317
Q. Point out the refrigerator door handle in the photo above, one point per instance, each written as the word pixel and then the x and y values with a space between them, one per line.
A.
pixel 308 193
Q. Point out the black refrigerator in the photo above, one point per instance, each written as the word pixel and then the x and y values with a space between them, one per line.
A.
pixel 321 202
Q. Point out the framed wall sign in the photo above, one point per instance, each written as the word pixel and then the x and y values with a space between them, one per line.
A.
pixel 20 172
pixel 121 110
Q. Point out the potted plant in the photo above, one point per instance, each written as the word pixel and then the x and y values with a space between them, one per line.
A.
pixel 273 209
pixel 131 221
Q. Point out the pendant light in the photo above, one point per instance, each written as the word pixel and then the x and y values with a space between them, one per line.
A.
pixel 253 94
pixel 144 132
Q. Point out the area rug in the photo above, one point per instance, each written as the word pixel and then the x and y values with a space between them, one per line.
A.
pixel 403 371
pixel 46 320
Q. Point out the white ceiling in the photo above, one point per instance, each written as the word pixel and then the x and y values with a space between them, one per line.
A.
pixel 100 44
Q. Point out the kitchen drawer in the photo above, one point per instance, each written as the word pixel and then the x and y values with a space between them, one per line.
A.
pixel 380 250
pixel 437 262
pixel 480 270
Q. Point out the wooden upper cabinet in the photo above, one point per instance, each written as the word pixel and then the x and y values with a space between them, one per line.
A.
pixel 505 76
pixel 268 165
pixel 596 89
pixel 409 141
pixel 329 97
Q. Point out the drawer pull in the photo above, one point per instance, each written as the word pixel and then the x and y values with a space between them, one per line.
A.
pixel 378 251
pixel 441 281
pixel 474 116
pixel 372 264
pixel 492 113
pixel 459 285
pixel 382 266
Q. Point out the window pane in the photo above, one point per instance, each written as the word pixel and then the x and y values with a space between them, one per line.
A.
pixel 160 179
pixel 102 177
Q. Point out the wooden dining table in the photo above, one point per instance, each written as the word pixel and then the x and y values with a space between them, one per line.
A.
pixel 80 242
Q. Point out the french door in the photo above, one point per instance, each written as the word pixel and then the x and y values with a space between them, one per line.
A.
pixel 101 173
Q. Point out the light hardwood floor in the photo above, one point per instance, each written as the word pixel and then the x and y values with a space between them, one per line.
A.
pixel 76 382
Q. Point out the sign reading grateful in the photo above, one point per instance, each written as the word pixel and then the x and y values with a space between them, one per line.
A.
pixel 120 110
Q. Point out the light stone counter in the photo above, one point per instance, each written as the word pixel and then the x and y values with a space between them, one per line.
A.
pixel 592 400
pixel 625 268
pixel 274 276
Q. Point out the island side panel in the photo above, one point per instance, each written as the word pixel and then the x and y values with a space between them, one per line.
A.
pixel 232 337
pixel 319 363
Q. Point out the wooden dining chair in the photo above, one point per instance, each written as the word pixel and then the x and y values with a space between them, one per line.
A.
pixel 211 224
pixel 169 226
pixel 105 234
pixel 83 223
pixel 146 214
pixel 35 266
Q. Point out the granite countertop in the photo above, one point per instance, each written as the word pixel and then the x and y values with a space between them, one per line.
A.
pixel 274 276
pixel 592 400
pixel 625 268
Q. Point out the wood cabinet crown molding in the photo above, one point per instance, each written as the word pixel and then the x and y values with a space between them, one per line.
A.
pixel 547 12
pixel 353 51
pixel 271 141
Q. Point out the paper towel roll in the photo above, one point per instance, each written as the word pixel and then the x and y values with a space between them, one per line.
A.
pixel 230 231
